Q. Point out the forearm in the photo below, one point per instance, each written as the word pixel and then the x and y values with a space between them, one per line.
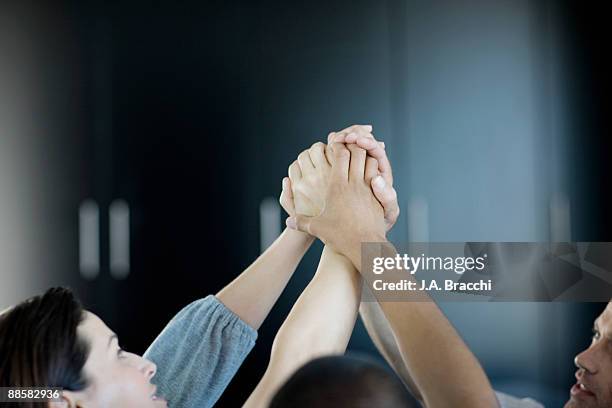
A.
pixel 437 357
pixel 434 353
pixel 254 292
pixel 381 334
pixel 320 323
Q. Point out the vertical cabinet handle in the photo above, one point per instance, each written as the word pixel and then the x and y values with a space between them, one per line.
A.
pixel 560 218
pixel 89 239
pixel 418 220
pixel 119 235
pixel 269 222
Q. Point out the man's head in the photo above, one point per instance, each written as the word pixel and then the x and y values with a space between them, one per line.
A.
pixel 593 388
pixel 343 381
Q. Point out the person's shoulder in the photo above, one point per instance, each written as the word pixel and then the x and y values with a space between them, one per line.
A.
pixel 508 401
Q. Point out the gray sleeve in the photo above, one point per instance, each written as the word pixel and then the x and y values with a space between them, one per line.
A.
pixel 507 401
pixel 198 353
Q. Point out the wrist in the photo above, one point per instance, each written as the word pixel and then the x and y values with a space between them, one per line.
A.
pixel 372 237
pixel 352 248
pixel 357 240
pixel 299 237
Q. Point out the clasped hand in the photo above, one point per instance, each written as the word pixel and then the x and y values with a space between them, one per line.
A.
pixel 342 192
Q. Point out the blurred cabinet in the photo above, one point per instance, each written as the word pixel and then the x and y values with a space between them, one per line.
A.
pixel 160 128
pixel 166 159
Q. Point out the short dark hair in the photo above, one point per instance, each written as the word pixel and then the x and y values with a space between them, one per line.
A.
pixel 39 346
pixel 343 381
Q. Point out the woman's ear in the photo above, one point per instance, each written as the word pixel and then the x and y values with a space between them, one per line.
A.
pixel 67 400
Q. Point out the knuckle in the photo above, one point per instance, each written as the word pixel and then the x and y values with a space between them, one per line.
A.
pixel 391 196
pixel 392 211
pixel 388 199
pixel 318 146
pixel 338 149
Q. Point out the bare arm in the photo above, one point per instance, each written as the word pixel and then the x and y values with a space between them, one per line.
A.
pixel 371 314
pixel 433 352
pixel 252 294
pixel 320 323
pixel 435 355
pixel 380 332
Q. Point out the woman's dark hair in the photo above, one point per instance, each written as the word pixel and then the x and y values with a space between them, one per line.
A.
pixel 39 346
pixel 350 381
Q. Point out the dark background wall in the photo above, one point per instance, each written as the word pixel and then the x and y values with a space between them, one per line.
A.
pixel 494 114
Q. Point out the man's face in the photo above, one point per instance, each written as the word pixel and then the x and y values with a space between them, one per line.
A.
pixel 593 388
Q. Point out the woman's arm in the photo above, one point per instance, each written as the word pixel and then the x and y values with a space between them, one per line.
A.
pixel 200 350
pixel 320 323
pixel 218 332
pixel 253 293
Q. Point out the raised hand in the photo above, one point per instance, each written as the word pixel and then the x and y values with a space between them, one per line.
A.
pixel 383 185
pixel 351 214
pixel 304 189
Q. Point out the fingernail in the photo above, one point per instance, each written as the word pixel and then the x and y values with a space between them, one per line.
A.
pixel 290 222
pixel 379 182
pixel 382 144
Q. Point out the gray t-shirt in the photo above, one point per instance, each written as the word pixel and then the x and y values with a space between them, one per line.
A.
pixel 507 401
pixel 199 352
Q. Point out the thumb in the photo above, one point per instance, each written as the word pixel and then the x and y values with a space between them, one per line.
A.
pixel 387 196
pixel 301 223
pixel 384 193
pixel 379 185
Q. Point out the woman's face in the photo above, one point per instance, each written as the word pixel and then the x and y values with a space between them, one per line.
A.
pixel 116 378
